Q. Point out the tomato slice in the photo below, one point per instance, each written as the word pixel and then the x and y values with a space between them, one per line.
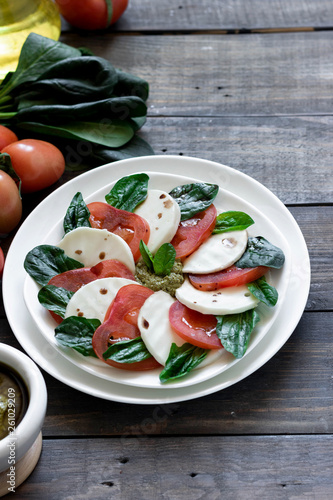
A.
pixel 232 276
pixel 194 327
pixel 73 279
pixel 121 323
pixel 193 232
pixel 131 227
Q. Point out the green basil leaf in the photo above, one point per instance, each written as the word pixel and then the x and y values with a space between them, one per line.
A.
pixel 234 331
pixel 147 256
pixel 38 53
pixel 182 360
pixel 55 298
pixel 164 259
pixel 128 192
pixel 194 198
pixel 114 134
pixel 77 214
pixel 232 221
pixel 265 292
pixel 45 261
pixel 77 332
pixel 260 252
pixel 128 351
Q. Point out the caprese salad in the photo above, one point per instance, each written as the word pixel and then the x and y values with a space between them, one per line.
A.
pixel 153 279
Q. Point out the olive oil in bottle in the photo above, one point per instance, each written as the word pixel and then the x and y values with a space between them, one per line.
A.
pixel 18 18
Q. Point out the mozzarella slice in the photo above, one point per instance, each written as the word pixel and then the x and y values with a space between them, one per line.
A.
pixel 157 333
pixel 231 300
pixel 92 300
pixel 90 246
pixel 162 213
pixel 218 252
pixel 155 328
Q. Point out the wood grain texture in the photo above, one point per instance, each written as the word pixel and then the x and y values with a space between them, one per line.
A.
pixel 222 15
pixel 275 74
pixel 291 156
pixel 184 468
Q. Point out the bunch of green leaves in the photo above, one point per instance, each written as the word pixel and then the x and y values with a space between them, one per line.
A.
pixel 60 92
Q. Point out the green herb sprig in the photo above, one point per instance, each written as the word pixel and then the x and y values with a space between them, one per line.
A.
pixel 163 261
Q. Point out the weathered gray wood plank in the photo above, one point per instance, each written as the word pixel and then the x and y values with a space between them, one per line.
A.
pixel 291 156
pixel 275 74
pixel 221 15
pixel 186 468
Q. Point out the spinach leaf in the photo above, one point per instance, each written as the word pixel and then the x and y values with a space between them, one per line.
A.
pixel 102 111
pixel 265 292
pixel 234 331
pixel 128 351
pixel 55 298
pixel 45 261
pixel 260 252
pixel 38 53
pixel 129 84
pixel 232 221
pixel 128 192
pixel 182 360
pixel 77 214
pixel 147 256
pixel 194 198
pixel 163 261
pixel 113 135
pixel 77 332
pixel 72 80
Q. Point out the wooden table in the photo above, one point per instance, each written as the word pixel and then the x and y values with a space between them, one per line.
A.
pixel 247 84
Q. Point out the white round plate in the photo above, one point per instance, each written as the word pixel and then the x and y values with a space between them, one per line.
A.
pixel 51 211
pixel 224 201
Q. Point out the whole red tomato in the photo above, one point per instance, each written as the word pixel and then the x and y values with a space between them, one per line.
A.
pixel 6 137
pixel 10 204
pixel 92 14
pixel 38 164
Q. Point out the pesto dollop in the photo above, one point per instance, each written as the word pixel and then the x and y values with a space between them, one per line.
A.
pixel 168 283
